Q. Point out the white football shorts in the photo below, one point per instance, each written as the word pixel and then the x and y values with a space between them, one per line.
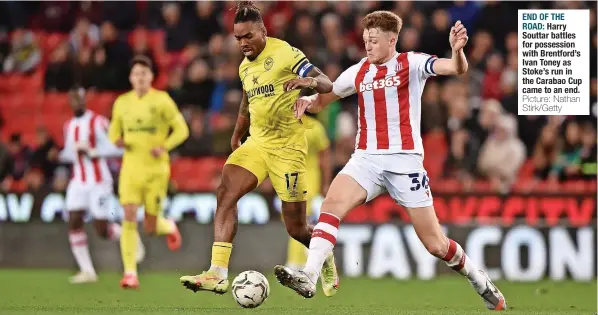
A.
pixel 401 174
pixel 94 198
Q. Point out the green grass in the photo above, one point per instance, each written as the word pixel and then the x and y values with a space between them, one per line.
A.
pixel 47 292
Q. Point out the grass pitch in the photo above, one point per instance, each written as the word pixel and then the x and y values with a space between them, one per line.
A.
pixel 48 292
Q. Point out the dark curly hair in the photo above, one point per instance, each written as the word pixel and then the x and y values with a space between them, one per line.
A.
pixel 247 11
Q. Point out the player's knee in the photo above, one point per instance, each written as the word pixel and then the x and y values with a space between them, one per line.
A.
pixel 130 212
pixel 102 230
pixel 226 196
pixel 149 227
pixel 436 247
pixel 75 222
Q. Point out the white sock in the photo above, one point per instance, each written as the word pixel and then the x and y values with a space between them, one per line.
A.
pixel 78 240
pixel 322 242
pixel 461 263
pixel 114 230
pixel 221 271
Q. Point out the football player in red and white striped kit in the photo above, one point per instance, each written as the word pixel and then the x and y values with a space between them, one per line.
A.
pixel 87 147
pixel 389 152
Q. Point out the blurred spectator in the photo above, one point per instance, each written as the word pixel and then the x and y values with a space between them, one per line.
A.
pixel 123 15
pixel 588 151
pixel 497 18
pixel 409 40
pixel 176 31
pixel 199 142
pixel 6 162
pixel 60 70
pixel 463 144
pixel 491 87
pixel 223 126
pixel 102 77
pixel 25 55
pixel 45 155
pixel 55 16
pixel 546 151
pixel 226 79
pixel 21 155
pixel 61 179
pixel 175 85
pixel 84 68
pixel 4 48
pixel 205 21
pixel 141 47
pixel 117 56
pixel 198 86
pixel 436 34
pixel 84 35
pixel 568 163
pixel 502 146
pixel 466 12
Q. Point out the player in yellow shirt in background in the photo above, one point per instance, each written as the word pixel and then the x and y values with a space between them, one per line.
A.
pixel 142 121
pixel 319 176
pixel 276 148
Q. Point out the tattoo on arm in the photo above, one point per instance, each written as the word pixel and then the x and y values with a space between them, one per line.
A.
pixel 244 108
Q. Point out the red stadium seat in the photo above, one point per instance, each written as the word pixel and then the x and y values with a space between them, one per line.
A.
pixel 51 41
pixel 56 103
pixel 156 41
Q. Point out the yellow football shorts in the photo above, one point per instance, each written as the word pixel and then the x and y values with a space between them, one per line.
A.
pixel 147 188
pixel 286 168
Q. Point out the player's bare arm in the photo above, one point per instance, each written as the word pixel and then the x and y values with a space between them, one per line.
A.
pixel 242 123
pixel 315 79
pixel 458 63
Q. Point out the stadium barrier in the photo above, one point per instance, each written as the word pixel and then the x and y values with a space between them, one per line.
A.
pixel 519 238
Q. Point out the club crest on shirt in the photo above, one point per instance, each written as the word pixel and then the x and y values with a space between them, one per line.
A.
pixel 268 63
pixel 398 67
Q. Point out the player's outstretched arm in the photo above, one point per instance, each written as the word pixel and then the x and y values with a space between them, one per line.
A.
pixel 458 63
pixel 243 123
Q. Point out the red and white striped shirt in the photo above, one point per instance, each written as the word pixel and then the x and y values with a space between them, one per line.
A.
pixel 389 98
pixel 90 130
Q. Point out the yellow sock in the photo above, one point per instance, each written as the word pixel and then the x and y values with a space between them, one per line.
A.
pixel 221 254
pixel 164 226
pixel 296 255
pixel 128 246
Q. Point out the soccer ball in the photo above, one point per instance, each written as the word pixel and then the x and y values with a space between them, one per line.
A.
pixel 250 289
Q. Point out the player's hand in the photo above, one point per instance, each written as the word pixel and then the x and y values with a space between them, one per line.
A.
pixel 297 84
pixel 156 152
pixel 235 144
pixel 458 36
pixel 82 148
pixel 301 105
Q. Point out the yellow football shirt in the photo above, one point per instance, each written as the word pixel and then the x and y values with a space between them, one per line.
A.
pixel 145 123
pixel 317 141
pixel 272 122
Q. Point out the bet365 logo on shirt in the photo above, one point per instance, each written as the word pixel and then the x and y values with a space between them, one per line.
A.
pixel 380 84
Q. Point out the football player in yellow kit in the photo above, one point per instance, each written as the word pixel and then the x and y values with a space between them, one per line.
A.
pixel 272 74
pixel 141 122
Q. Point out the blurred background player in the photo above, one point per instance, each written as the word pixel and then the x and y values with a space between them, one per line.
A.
pixel 87 147
pixel 142 121
pixel 277 147
pixel 389 151
pixel 319 175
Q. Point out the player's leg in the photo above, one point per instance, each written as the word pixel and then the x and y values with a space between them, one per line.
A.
pixel 130 199
pixel 244 171
pixel 76 202
pixel 100 206
pixel 413 192
pixel 155 223
pixel 296 251
pixel 357 183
